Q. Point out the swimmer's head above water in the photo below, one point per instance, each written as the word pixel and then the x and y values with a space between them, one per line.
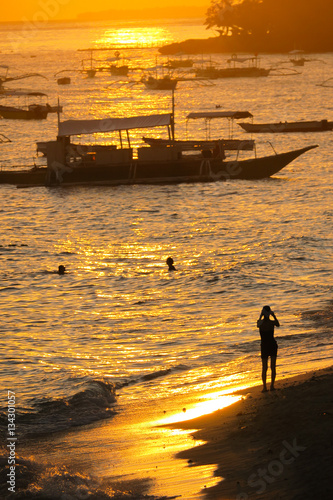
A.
pixel 61 269
pixel 169 262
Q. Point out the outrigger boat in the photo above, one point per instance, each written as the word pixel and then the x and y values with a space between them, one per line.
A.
pixel 297 57
pixel 281 127
pixel 32 112
pixel 179 63
pixel 29 112
pixel 162 83
pixel 208 146
pixel 234 70
pixel 89 71
pixel 5 78
pixel 169 162
pixel 118 69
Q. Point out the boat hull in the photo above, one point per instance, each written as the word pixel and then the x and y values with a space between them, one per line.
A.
pixel 33 113
pixel 169 172
pixel 215 73
pixel 119 70
pixel 282 127
pixel 160 83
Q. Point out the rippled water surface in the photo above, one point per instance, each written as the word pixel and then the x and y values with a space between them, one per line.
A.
pixel 118 335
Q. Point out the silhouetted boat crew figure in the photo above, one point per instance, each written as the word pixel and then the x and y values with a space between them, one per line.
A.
pixel 269 345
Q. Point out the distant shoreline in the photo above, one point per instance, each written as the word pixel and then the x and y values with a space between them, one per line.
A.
pixel 247 44
pixel 219 44
pixel 149 14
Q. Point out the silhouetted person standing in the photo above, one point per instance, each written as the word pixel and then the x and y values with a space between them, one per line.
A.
pixel 269 345
pixel 169 261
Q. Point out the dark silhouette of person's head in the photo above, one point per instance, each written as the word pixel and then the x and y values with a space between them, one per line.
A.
pixel 266 311
pixel 61 269
pixel 169 261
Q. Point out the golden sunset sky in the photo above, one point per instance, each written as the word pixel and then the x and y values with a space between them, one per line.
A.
pixel 43 10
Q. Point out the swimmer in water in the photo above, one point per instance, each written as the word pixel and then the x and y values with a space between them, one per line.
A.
pixel 169 262
pixel 61 269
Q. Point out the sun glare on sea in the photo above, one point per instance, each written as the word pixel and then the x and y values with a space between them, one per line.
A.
pixel 203 408
pixel 131 37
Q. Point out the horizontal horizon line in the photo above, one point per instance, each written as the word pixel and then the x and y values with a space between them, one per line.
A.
pixel 129 15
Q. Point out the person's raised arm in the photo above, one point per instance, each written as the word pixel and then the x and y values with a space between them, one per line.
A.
pixel 275 319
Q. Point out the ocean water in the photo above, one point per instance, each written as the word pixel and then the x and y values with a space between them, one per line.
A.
pixel 99 358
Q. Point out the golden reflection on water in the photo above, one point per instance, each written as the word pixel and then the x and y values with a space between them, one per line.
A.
pixel 133 37
pixel 152 455
pixel 214 402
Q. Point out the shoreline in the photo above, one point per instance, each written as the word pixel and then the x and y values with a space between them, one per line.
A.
pixel 270 445
pixel 246 44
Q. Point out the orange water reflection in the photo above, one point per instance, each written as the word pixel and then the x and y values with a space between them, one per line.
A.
pixel 132 37
pixel 215 401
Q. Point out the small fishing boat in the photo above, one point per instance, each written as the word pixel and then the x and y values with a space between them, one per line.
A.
pixel 32 112
pixel 64 80
pixel 119 70
pixel 297 57
pixel 180 63
pixel 234 70
pixel 282 127
pixel 90 71
pixel 169 163
pixel 162 83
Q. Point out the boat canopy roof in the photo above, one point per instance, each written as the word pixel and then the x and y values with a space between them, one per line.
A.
pixel 79 127
pixel 220 114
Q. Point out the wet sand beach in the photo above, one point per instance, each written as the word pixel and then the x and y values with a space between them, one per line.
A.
pixel 274 445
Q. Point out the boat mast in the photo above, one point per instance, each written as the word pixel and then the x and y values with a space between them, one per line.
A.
pixel 58 113
pixel 173 115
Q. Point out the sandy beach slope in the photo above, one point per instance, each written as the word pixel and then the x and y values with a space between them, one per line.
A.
pixel 274 445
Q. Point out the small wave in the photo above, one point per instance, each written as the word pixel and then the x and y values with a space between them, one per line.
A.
pixel 14 245
pixel 89 405
pixel 322 317
pixel 153 375
pixel 151 211
pixel 35 481
pixel 213 279
pixel 220 195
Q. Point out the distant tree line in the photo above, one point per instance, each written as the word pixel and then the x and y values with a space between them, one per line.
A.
pixel 273 25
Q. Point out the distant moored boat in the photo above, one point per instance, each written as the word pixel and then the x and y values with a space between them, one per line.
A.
pixel 281 127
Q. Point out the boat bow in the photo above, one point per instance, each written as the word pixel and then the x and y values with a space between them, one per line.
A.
pixel 258 168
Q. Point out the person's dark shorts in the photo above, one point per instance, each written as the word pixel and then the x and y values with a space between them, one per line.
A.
pixel 269 349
